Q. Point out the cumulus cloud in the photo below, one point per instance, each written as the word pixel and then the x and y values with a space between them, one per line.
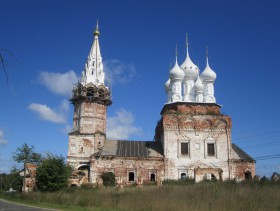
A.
pixel 121 125
pixel 118 72
pixel 59 83
pixel 46 113
pixel 3 141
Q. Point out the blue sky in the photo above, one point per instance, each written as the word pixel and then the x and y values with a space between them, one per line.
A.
pixel 45 45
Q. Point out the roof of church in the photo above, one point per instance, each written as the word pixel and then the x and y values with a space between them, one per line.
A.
pixel 241 154
pixel 140 149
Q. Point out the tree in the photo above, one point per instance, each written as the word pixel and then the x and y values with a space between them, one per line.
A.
pixel 52 173
pixel 2 64
pixel 12 180
pixel 25 154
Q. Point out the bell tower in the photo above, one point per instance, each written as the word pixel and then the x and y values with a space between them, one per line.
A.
pixel 90 99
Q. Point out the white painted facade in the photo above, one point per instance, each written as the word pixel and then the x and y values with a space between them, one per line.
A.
pixel 178 164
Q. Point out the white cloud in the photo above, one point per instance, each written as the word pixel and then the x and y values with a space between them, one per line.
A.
pixel 59 83
pixel 67 129
pixel 121 126
pixel 118 73
pixel 48 114
pixel 65 106
pixel 3 141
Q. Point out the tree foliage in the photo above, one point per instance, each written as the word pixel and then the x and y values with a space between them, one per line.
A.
pixel 12 180
pixel 25 154
pixel 52 173
pixel 108 178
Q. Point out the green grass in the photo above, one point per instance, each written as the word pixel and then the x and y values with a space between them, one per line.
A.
pixel 171 196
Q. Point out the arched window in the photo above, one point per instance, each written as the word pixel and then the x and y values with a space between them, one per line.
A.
pixel 153 177
pixel 90 92
pixel 131 176
pixel 101 93
pixel 183 176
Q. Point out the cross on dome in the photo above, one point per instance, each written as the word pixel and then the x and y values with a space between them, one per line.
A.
pixel 190 69
pixel 208 74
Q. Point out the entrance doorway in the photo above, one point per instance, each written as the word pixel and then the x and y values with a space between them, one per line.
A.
pixel 153 177
pixel 248 175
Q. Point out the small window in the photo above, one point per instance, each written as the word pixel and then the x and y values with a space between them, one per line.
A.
pixel 211 149
pixel 184 148
pixel 131 176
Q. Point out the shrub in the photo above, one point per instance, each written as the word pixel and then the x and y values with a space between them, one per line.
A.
pixel 108 178
pixel 52 174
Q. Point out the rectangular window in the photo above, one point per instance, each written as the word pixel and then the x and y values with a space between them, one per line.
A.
pixel 211 149
pixel 184 148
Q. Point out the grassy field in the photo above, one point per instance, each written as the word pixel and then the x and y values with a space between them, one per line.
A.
pixel 169 197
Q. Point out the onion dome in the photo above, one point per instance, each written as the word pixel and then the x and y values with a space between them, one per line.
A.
pixel 198 84
pixel 190 69
pixel 176 73
pixel 208 74
pixel 167 83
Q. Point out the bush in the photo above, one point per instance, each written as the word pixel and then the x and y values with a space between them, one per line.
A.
pixel 108 178
pixel 52 174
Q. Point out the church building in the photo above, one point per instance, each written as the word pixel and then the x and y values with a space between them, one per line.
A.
pixel 192 138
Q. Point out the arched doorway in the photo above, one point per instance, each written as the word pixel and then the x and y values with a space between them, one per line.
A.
pixel 248 175
pixel 153 177
pixel 131 176
pixel 183 176
pixel 84 171
pixel 213 178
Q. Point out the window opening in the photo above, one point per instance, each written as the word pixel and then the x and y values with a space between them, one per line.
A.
pixel 184 148
pixel 131 176
pixel 211 149
pixel 90 92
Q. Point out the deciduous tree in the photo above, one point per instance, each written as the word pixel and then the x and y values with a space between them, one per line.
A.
pixel 25 154
pixel 52 173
